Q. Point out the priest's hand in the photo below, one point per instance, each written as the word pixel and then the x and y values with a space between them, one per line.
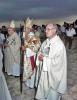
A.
pixel 23 48
pixel 40 57
pixel 6 45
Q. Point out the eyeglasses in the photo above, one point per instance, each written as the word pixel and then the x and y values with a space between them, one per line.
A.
pixel 49 29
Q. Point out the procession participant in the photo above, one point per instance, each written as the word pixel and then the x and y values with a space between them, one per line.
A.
pixel 51 77
pixel 4 92
pixel 12 52
pixel 70 32
pixel 31 46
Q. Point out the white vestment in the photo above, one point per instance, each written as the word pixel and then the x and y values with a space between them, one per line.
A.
pixel 4 92
pixel 30 82
pixel 12 55
pixel 52 72
pixel 30 78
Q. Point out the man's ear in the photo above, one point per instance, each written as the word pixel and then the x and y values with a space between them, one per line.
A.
pixel 55 30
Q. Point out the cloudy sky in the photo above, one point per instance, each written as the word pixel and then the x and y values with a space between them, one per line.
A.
pixel 36 9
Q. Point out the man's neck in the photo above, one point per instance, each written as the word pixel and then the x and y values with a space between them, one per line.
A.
pixel 52 36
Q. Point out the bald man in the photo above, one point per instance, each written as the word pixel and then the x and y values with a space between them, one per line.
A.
pixel 51 76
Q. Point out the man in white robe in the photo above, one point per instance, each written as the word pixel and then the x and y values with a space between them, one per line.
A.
pixel 4 92
pixel 51 76
pixel 12 52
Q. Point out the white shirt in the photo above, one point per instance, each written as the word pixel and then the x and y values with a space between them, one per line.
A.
pixel 70 32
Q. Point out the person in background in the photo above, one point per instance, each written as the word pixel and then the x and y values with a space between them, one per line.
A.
pixel 4 31
pixel 75 27
pixel 70 32
pixel 2 37
pixel 51 76
pixel 37 31
pixel 21 32
pixel 42 35
pixel 63 29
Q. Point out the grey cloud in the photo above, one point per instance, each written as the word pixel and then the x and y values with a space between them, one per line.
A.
pixel 18 9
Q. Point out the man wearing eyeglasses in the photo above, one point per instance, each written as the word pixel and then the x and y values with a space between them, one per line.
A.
pixel 51 76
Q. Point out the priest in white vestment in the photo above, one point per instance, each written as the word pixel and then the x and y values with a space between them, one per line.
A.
pixel 4 92
pixel 12 52
pixel 51 76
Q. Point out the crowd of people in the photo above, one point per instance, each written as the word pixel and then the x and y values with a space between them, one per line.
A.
pixel 38 55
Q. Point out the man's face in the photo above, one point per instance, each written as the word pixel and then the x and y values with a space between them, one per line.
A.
pixel 50 31
pixel 28 30
pixel 10 31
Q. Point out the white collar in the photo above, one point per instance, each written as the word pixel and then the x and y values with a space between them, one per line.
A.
pixel 55 38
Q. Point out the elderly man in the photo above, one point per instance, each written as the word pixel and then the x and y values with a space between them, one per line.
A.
pixel 12 52
pixel 51 76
